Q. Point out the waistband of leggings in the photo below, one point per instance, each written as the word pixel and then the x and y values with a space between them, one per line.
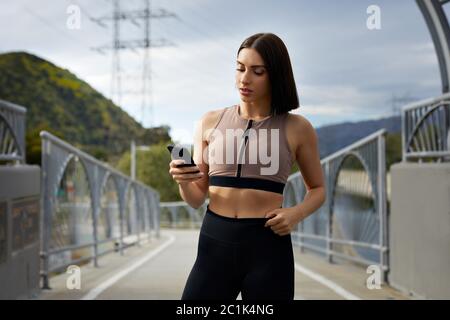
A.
pixel 236 220
pixel 238 230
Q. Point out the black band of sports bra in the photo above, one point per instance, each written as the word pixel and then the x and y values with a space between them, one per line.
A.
pixel 246 182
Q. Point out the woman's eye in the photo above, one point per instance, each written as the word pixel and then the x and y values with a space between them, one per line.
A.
pixel 257 73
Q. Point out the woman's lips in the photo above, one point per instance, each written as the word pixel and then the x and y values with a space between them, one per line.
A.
pixel 245 92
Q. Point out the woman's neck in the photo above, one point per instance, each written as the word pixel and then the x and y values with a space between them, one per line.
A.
pixel 255 111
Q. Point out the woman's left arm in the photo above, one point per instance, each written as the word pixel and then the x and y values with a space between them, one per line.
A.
pixel 308 159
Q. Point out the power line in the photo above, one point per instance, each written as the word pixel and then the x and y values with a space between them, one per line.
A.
pixel 397 102
pixel 50 25
pixel 184 31
pixel 86 12
pixel 180 54
pixel 209 22
pixel 135 17
pixel 201 70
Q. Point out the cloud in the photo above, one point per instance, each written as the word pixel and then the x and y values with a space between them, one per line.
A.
pixel 341 68
pixel 338 100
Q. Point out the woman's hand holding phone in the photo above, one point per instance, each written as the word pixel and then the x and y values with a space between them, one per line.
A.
pixel 184 175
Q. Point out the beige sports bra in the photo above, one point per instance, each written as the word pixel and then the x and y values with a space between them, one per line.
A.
pixel 246 153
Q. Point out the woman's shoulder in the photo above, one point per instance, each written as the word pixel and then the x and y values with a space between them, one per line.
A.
pixel 211 117
pixel 215 113
pixel 298 122
pixel 299 129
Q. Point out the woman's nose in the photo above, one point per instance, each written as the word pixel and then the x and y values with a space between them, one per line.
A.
pixel 245 79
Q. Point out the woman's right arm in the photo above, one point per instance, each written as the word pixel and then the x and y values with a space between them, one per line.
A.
pixel 194 187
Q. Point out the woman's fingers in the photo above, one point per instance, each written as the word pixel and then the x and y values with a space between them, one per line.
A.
pixel 188 176
pixel 174 169
pixel 184 174
pixel 175 162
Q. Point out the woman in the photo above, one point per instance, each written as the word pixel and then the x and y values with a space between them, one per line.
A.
pixel 245 243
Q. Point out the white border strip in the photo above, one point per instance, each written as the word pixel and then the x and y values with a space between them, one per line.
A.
pixel 326 282
pixel 106 284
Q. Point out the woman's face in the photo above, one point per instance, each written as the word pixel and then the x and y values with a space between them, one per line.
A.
pixel 252 74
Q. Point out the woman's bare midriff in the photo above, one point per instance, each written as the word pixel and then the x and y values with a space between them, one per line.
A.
pixel 243 203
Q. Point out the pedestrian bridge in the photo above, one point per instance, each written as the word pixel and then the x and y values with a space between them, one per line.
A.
pixel 159 268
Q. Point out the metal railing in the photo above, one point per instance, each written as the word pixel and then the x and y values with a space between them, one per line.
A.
pixel 352 223
pixel 114 204
pixel 12 132
pixel 426 130
pixel 179 214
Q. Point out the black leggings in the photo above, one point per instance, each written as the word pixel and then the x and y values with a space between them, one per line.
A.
pixel 240 255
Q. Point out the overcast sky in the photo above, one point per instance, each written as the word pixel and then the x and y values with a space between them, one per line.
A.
pixel 343 70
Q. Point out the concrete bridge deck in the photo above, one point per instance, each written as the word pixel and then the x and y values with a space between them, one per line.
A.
pixel 158 270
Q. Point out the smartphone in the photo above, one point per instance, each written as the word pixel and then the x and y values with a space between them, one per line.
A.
pixel 178 152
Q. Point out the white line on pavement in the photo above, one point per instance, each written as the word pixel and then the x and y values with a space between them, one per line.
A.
pixel 106 284
pixel 326 282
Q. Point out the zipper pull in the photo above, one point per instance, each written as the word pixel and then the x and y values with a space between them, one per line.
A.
pixel 249 124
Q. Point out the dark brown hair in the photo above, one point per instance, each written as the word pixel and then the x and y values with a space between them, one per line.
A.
pixel 278 64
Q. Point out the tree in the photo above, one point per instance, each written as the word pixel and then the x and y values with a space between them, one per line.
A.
pixel 152 169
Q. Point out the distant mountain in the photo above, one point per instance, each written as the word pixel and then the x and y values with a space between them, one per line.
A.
pixel 58 101
pixel 337 136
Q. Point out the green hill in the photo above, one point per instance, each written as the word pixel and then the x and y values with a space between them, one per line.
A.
pixel 59 102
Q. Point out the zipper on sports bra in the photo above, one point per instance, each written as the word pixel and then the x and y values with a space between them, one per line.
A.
pixel 249 124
